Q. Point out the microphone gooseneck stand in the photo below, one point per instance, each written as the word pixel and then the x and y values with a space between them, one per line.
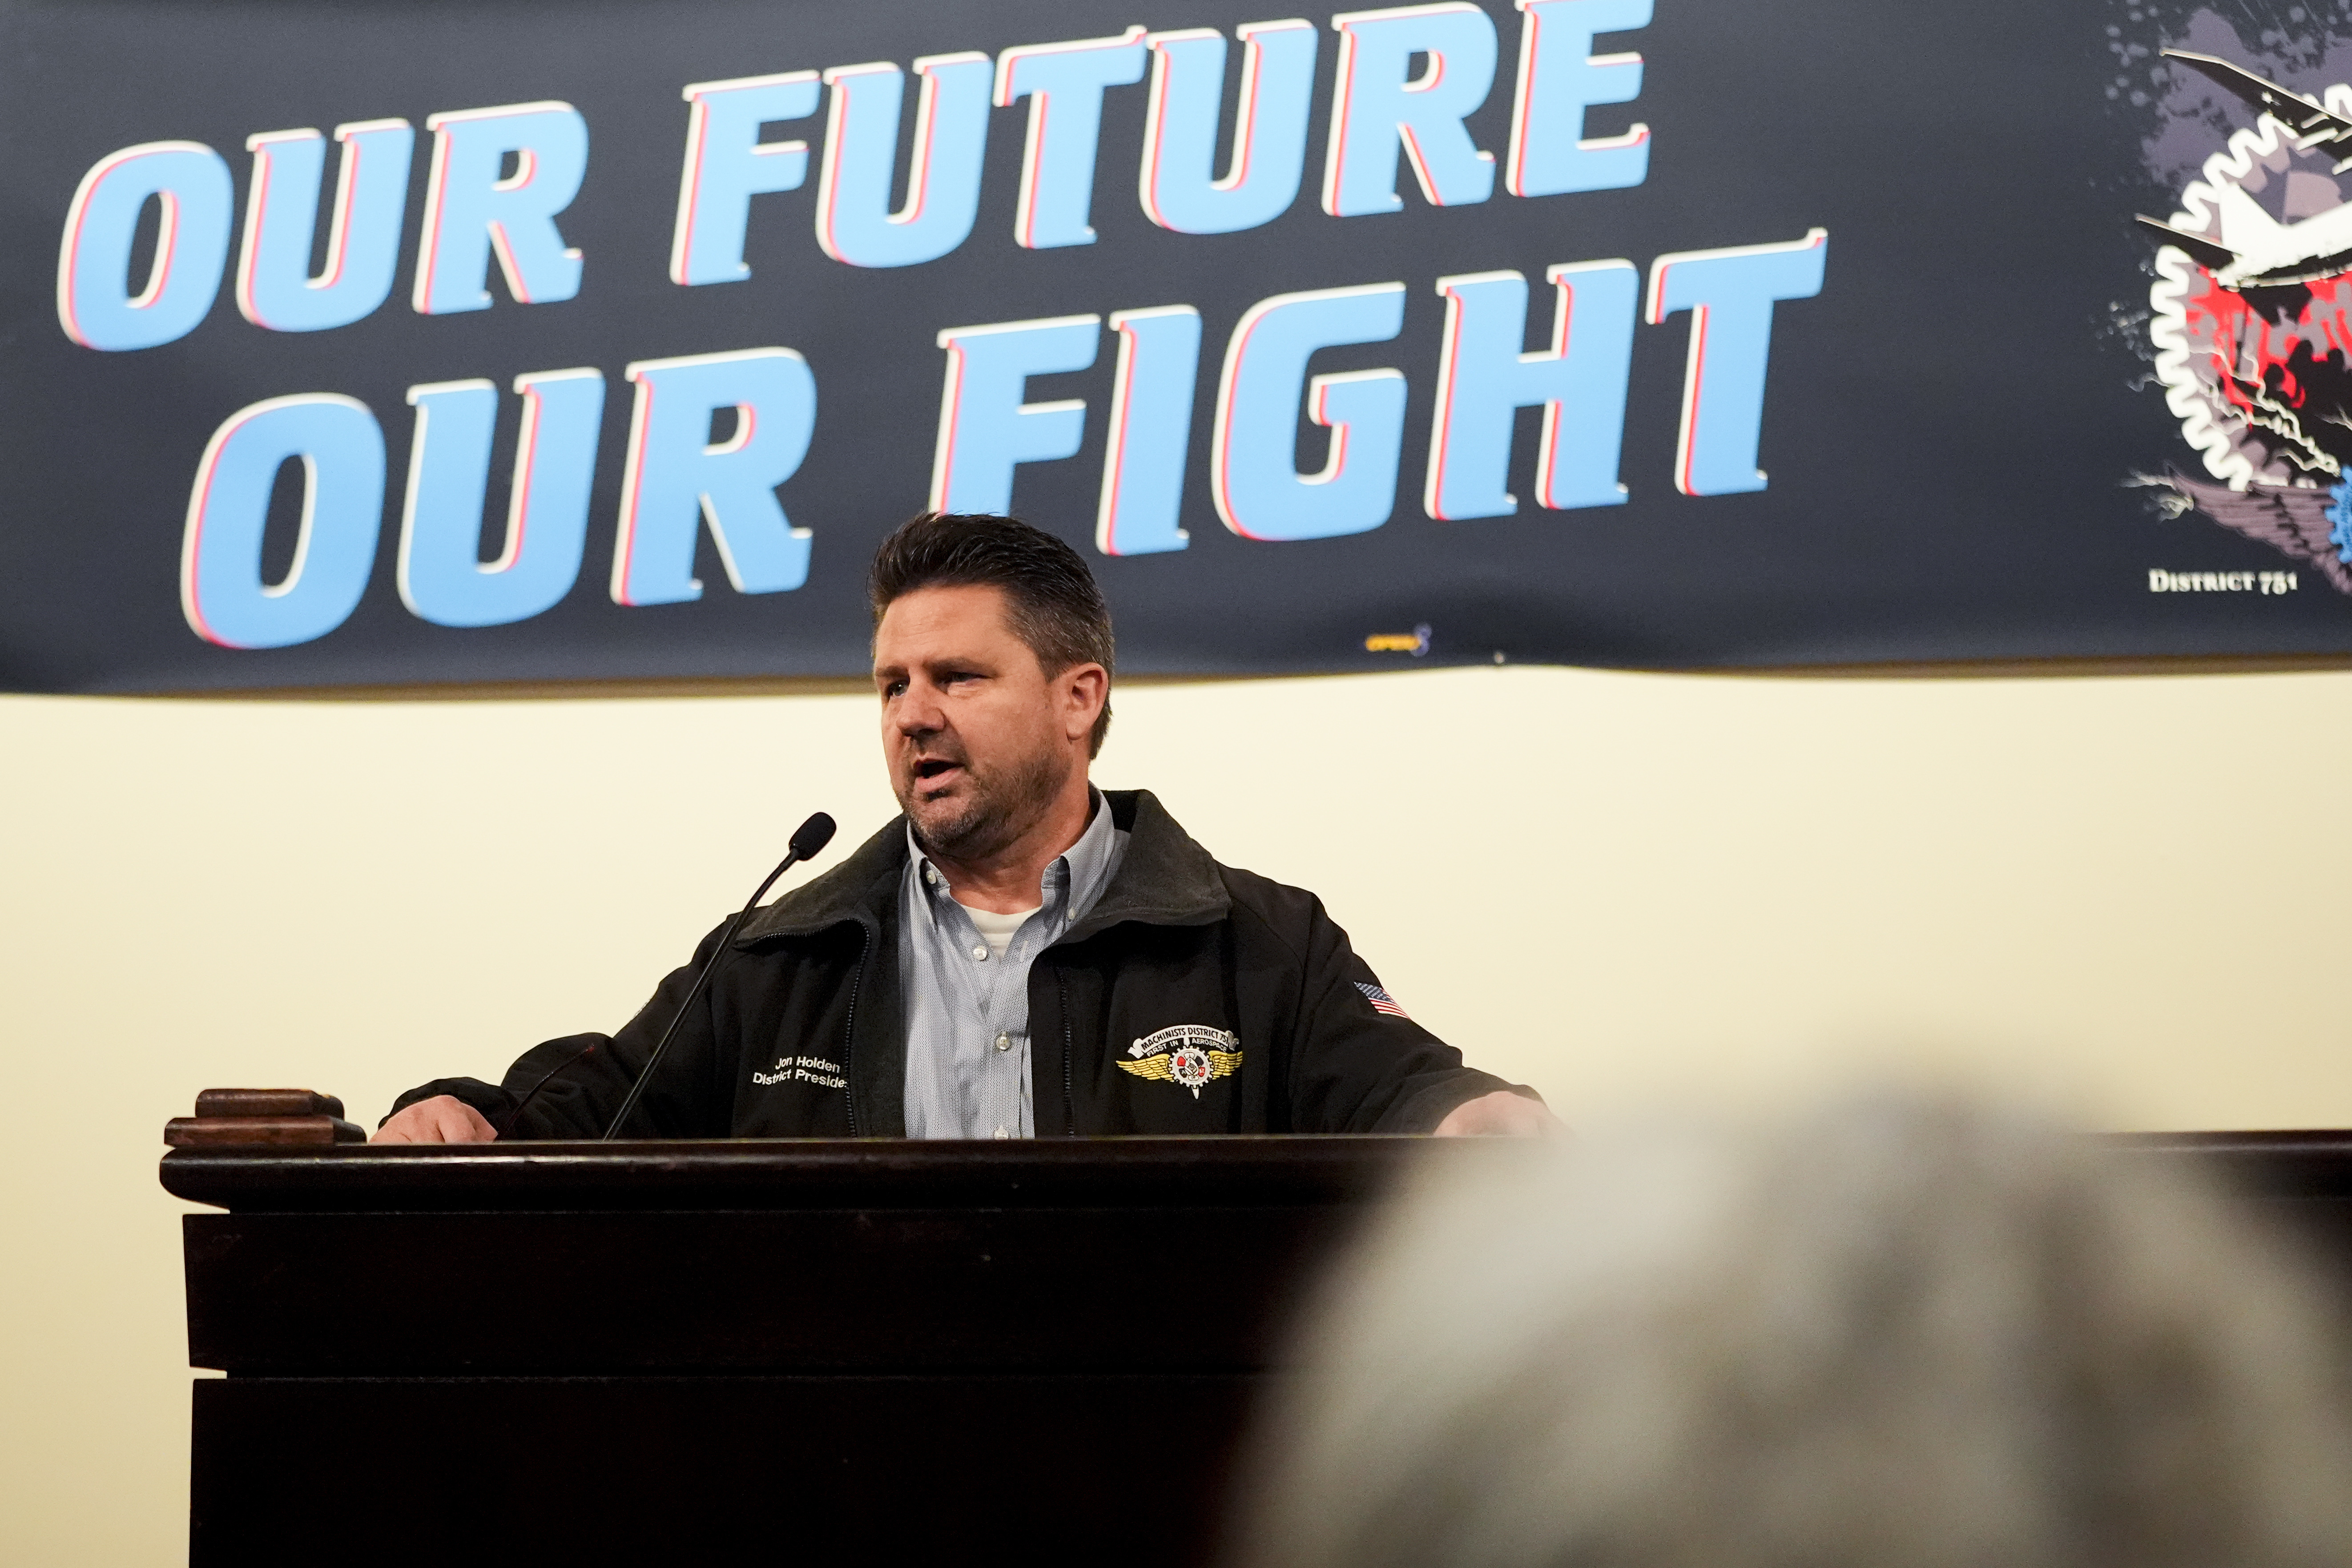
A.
pixel 811 836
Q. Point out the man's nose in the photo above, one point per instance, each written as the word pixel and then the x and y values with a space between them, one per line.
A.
pixel 916 713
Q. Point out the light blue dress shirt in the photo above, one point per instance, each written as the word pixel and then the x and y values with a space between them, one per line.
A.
pixel 967 1009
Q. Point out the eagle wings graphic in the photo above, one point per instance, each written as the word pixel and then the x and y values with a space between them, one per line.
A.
pixel 1189 1055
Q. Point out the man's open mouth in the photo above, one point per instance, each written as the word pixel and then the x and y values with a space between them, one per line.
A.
pixel 933 767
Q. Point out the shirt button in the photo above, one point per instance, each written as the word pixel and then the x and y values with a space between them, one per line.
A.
pixel 931 875
pixel 1000 1132
pixel 1004 1042
pixel 980 955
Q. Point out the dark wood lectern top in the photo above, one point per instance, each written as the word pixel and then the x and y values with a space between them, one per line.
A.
pixel 1138 1173
pixel 2301 1163
pixel 808 1174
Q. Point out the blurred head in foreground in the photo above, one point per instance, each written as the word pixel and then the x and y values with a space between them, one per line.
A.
pixel 1893 1336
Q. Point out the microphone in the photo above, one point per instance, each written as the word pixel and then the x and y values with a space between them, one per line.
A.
pixel 809 838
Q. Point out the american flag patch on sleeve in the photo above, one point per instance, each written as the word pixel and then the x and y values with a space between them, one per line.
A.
pixel 1382 1002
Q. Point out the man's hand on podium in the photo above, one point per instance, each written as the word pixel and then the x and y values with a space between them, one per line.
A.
pixel 1499 1114
pixel 443 1118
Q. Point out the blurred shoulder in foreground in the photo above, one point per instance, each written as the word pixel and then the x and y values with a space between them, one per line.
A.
pixel 1896 1334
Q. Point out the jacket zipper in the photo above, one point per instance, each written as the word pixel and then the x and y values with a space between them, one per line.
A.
pixel 849 1033
pixel 1069 1097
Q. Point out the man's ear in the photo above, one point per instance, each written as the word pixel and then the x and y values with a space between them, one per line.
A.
pixel 1085 688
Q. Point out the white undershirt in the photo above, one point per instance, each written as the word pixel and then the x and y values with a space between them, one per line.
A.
pixel 996 930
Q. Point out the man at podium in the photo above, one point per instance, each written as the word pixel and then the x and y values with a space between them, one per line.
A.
pixel 1020 954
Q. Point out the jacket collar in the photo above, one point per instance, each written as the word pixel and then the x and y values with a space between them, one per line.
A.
pixel 1164 878
pixel 858 890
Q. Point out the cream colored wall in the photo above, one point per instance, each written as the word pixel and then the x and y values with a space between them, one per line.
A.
pixel 1614 887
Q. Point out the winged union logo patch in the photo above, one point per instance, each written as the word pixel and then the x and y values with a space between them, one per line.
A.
pixel 1187 1055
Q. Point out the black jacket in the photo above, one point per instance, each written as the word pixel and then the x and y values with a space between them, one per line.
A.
pixel 801 1033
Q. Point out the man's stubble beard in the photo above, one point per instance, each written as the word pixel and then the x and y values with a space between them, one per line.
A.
pixel 998 808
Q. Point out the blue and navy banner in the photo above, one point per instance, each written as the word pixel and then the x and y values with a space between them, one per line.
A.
pixel 373 343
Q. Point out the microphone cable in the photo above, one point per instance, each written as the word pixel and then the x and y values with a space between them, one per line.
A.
pixel 809 837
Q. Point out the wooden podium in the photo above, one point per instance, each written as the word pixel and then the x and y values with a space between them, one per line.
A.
pixel 719 1352
pixel 680 1353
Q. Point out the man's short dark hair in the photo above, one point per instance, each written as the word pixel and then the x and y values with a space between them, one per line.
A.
pixel 1050 596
